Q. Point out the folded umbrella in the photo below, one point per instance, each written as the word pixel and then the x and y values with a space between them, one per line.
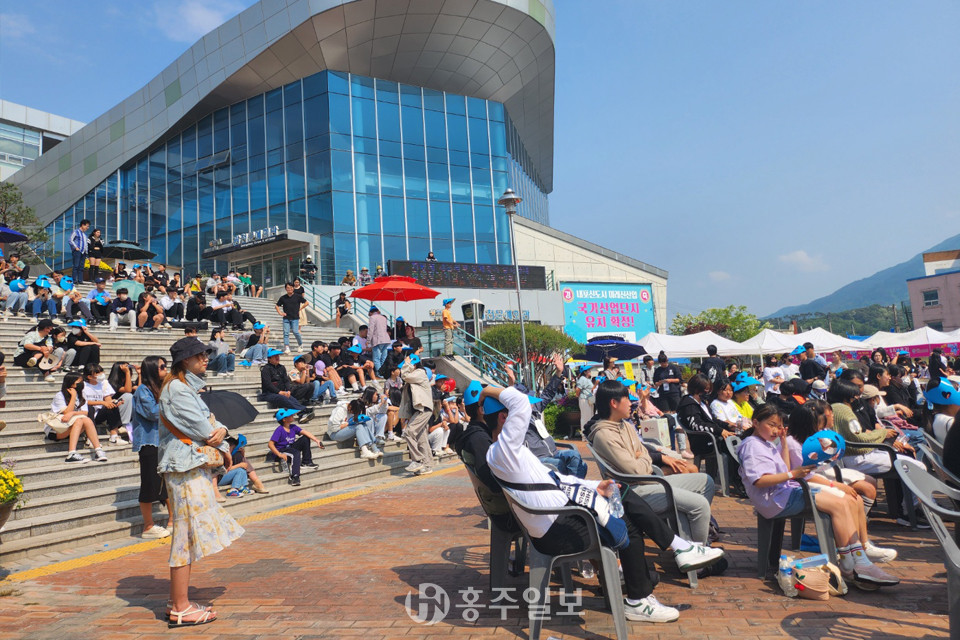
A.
pixel 231 409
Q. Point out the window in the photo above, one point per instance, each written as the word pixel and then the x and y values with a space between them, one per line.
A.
pixel 931 298
pixel 936 326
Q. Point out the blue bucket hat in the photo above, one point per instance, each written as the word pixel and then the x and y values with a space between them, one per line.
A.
pixel 355 349
pixel 471 394
pixel 360 419
pixel 743 382
pixel 798 350
pixel 77 323
pixel 943 394
pixel 447 301
pixel 274 352
pixel 283 414
pixel 241 443
pixel 259 325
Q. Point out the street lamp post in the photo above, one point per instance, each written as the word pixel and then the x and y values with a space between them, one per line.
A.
pixel 510 200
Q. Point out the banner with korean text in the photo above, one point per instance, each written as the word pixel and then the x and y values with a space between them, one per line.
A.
pixel 606 309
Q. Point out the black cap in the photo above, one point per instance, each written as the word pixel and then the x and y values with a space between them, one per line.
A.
pixel 187 347
pixel 46 323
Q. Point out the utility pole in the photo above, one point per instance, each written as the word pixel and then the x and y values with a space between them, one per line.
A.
pixel 896 326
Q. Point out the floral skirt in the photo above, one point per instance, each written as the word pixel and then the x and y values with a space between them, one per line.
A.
pixel 201 527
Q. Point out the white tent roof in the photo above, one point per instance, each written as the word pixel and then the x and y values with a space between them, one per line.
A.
pixel 769 341
pixel 923 335
pixel 824 341
pixel 691 346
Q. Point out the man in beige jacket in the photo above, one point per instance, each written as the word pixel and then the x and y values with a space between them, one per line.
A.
pixel 416 406
pixel 616 441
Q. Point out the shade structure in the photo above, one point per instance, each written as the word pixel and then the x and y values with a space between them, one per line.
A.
pixel 826 342
pixel 9 235
pixel 769 341
pixel 395 288
pixel 693 345
pixel 127 250
pixel 918 337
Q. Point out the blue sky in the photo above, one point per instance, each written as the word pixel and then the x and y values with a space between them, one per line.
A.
pixel 764 152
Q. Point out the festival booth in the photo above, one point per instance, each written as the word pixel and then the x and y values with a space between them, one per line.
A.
pixel 825 342
pixel 689 346
pixel 769 341
pixel 919 342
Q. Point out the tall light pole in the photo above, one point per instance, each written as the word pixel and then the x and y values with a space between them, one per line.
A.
pixel 510 200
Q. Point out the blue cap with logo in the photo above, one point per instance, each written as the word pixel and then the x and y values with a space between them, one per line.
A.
pixel 798 351
pixel 66 283
pixel 447 301
pixel 77 323
pixel 355 349
pixel 944 394
pixel 414 359
pixel 18 285
pixel 259 325
pixel 471 395
pixel 274 352
pixel 283 414
pixel 743 382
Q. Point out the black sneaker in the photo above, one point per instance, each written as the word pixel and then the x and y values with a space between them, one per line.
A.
pixel 294 482
pixel 75 458
pixel 310 465
pixel 904 521
pixel 306 416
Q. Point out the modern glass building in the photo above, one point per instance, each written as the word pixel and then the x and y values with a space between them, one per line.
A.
pixel 369 131
pixel 26 134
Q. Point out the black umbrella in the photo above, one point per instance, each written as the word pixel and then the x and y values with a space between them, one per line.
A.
pixel 127 250
pixel 231 409
pixel 9 235
pixel 612 347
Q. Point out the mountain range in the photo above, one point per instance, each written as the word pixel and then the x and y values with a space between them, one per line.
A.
pixel 884 287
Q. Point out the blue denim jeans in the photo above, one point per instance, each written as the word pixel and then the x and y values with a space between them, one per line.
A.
pixel 236 478
pixel 567 461
pixel 320 387
pixel 291 326
pixel 223 363
pixel 16 301
pixel 363 433
pixel 39 306
pixel 380 352
pixel 257 352
pixel 78 260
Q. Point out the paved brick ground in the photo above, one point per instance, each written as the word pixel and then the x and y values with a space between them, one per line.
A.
pixel 344 570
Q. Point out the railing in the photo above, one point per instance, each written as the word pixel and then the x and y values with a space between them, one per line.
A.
pixel 326 306
pixel 490 362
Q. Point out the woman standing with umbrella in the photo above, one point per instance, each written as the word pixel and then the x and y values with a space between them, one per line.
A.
pixel 200 526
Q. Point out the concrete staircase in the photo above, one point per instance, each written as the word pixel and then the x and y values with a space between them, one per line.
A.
pixel 73 505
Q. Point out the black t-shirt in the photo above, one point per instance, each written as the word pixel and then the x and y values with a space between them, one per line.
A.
pixel 161 278
pixel 346 359
pixel 326 359
pixel 291 306
pixel 810 368
pixel 252 340
pixel 713 369
pixel 670 371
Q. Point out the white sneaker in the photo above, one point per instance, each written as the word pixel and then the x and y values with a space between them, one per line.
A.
pixel 650 610
pixel 413 467
pixel 367 453
pixel 879 554
pixel 286 349
pixel 99 455
pixel 696 557
pixel 300 349
pixel 155 533
pixel 5 316
pixel 114 439
pixel 379 453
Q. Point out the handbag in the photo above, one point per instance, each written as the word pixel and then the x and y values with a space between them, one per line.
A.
pixel 55 422
pixel 213 456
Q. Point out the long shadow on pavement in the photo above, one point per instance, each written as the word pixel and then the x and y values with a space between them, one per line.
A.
pixel 152 593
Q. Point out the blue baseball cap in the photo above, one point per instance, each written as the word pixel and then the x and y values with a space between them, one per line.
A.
pixel 492 405
pixel 259 325
pixel 471 394
pixel 584 367
pixel 274 352
pixel 355 349
pixel 903 352
pixel 18 284
pixel 77 323
pixel 633 398
pixel 43 282
pixel 299 358
pixel 414 359
pixel 373 308
pixel 797 351
pixel 600 379
pixel 66 283
pixel 241 443
pixel 440 376
pixel 447 301
pixel 429 373
pixel 743 382
pixel 944 393
pixel 283 414
pixel 400 319
pixel 360 419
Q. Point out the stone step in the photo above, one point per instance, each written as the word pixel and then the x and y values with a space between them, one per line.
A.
pixel 84 534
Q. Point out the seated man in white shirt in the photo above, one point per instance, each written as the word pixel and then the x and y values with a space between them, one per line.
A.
pixel 224 312
pixel 507 412
pixel 172 304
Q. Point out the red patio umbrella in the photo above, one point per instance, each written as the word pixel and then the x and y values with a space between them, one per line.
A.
pixel 396 288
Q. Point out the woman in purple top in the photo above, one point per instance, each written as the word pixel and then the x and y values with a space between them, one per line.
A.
pixel 291 443
pixel 771 485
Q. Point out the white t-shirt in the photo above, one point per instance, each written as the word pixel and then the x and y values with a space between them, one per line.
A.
pixel 790 371
pixel 725 411
pixel 97 392
pixel 771 376
pixel 941 425
pixel 167 302
pixel 60 403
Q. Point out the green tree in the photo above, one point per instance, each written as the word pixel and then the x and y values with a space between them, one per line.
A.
pixel 15 214
pixel 542 344
pixel 733 322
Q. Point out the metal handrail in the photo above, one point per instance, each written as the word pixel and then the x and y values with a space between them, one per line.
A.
pixel 479 354
pixel 322 302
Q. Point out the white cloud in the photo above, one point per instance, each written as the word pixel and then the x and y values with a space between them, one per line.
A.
pixel 804 262
pixel 16 25
pixel 718 276
pixel 189 20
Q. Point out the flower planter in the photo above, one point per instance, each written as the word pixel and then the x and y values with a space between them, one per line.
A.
pixel 6 509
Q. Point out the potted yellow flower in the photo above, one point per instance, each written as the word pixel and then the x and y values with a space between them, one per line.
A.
pixel 11 491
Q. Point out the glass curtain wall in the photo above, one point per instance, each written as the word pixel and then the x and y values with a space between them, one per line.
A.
pixel 377 169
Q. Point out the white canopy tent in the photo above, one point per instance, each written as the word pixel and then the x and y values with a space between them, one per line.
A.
pixel 691 346
pixel 769 341
pixel 921 336
pixel 826 342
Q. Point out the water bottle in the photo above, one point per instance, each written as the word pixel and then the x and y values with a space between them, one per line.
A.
pixel 615 505
pixel 785 577
pixel 285 466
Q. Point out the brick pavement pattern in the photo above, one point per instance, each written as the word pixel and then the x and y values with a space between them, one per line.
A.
pixel 345 569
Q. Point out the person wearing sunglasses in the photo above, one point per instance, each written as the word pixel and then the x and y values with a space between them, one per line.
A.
pixel 146 443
